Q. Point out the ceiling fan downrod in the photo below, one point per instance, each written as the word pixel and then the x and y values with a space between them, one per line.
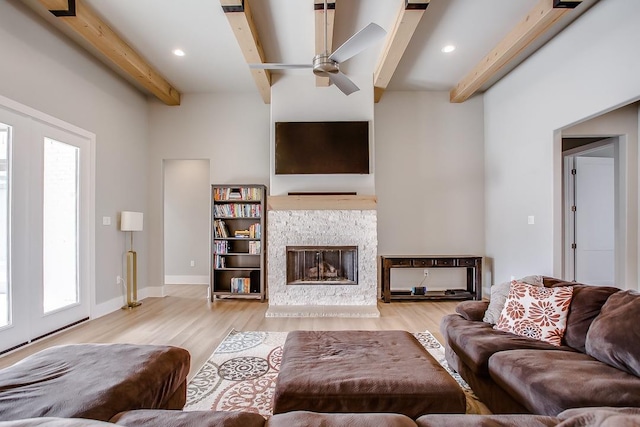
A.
pixel 322 65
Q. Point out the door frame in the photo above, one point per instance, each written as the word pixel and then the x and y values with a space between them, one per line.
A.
pixel 88 226
pixel 620 205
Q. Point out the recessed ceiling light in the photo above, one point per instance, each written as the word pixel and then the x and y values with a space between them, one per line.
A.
pixel 448 48
pixel 178 52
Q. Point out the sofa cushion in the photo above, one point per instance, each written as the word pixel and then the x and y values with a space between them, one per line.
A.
pixel 600 417
pixel 453 420
pixel 315 419
pixel 586 303
pixel 157 417
pixel 54 422
pixel 549 382
pixel 472 310
pixel 499 294
pixel 475 342
pixel 536 312
pixel 614 336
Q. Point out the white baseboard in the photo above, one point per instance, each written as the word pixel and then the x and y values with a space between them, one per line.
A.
pixel 186 280
pixel 116 304
pixel 107 307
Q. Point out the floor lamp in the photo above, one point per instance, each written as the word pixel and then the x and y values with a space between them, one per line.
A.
pixel 131 221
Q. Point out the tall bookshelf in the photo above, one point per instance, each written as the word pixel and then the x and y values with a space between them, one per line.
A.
pixel 238 241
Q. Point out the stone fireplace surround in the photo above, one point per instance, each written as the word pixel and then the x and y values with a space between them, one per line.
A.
pixel 322 221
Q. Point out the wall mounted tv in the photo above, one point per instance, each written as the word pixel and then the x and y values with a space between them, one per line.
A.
pixel 322 148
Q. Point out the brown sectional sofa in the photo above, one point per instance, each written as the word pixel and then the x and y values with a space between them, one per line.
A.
pixel 598 363
pixel 588 417
pixel 143 386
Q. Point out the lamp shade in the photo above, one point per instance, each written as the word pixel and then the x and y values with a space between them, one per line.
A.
pixel 130 221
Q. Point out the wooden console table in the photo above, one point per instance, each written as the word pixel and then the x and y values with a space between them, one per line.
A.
pixel 473 264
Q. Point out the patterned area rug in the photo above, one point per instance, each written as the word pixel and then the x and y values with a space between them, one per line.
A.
pixel 241 374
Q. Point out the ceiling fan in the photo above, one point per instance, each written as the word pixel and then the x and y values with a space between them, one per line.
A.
pixel 328 65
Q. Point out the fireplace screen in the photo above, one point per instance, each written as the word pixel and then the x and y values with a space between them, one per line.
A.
pixel 325 265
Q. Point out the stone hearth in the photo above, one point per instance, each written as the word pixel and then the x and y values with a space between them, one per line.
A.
pixel 329 221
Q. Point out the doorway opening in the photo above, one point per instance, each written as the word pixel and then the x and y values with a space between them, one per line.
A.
pixel 590 184
pixel 186 195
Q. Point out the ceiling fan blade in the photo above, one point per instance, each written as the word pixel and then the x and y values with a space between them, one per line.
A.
pixel 274 66
pixel 343 83
pixel 358 42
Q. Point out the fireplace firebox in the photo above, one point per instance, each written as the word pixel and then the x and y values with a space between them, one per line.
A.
pixel 322 265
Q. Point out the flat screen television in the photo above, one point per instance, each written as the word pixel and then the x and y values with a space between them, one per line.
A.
pixel 322 148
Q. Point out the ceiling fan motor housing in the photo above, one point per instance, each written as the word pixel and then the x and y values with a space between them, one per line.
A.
pixel 322 65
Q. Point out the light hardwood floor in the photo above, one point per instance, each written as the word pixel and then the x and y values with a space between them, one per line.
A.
pixel 186 319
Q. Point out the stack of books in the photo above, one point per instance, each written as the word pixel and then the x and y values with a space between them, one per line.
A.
pixel 237 193
pixel 219 261
pixel 240 285
pixel 254 247
pixel 237 210
pixel 221 247
pixel 255 231
pixel 242 233
pixel 221 229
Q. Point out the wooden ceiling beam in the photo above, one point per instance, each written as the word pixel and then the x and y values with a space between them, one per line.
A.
pixel 537 22
pixel 84 22
pixel 239 15
pixel 318 7
pixel 397 41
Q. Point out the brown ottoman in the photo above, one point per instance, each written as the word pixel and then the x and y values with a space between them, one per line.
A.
pixel 94 381
pixel 363 371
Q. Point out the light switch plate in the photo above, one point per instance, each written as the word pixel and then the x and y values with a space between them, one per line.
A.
pixel 106 220
pixel 531 220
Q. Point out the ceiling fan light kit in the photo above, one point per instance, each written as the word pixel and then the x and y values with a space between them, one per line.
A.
pixel 322 65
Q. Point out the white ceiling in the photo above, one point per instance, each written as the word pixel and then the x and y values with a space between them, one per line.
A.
pixel 214 62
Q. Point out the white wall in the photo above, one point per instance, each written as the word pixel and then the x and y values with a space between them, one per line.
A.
pixel 230 130
pixel 42 69
pixel 589 68
pixel 621 121
pixel 429 177
pixel 187 194
pixel 295 98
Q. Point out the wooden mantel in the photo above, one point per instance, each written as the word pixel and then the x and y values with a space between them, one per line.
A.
pixel 321 202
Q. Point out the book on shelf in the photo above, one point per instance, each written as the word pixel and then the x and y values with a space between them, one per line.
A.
pixel 219 261
pixel 221 229
pixel 254 247
pixel 237 193
pixel 240 285
pixel 255 231
pixel 242 233
pixel 221 246
pixel 238 210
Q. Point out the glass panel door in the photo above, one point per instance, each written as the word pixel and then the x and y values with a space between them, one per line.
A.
pixel 59 224
pixel 46 206
pixel 5 307
pixel 60 237
pixel 14 228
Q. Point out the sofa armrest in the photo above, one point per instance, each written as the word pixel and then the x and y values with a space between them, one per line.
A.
pixel 472 310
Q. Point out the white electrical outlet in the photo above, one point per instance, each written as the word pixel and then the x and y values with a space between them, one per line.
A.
pixel 426 272
pixel 118 279
pixel 193 263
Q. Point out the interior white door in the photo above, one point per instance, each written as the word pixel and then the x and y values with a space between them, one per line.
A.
pixel 594 218
pixel 60 225
pixel 47 228
pixel 14 230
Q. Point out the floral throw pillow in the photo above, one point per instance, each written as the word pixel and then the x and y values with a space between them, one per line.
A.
pixel 536 312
